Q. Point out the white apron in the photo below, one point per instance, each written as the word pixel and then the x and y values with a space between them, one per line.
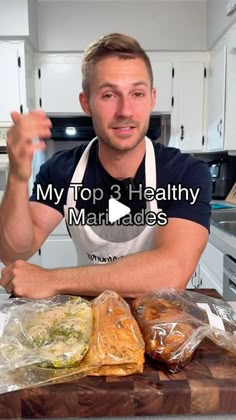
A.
pixel 90 245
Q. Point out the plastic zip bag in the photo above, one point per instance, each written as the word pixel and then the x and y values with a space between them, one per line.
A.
pixel 52 332
pixel 116 346
pixel 174 322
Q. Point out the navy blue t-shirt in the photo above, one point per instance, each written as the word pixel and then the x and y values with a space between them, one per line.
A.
pixel 173 169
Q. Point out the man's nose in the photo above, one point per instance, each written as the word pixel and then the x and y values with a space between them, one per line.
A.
pixel 124 107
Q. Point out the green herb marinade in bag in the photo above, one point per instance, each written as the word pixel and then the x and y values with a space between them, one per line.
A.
pixel 53 332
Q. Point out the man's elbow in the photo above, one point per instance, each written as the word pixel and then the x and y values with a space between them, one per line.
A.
pixel 10 255
pixel 13 257
pixel 182 276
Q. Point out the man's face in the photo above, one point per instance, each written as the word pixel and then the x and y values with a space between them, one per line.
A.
pixel 120 101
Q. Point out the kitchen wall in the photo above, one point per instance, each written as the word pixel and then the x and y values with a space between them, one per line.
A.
pixel 14 20
pixel 71 25
pixel 19 19
pixel 33 23
pixel 217 21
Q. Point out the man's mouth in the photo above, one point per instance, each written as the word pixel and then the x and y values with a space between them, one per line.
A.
pixel 124 130
pixel 127 127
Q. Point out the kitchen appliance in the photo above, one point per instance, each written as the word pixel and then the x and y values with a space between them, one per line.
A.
pixel 68 131
pixel 80 128
pixel 223 174
pixel 229 278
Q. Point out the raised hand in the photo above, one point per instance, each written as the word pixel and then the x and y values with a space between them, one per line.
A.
pixel 21 144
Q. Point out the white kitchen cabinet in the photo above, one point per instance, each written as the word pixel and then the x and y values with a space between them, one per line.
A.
pixel 2 290
pixel 216 99
pixel 230 104
pixel 59 83
pixel 11 76
pixel 35 259
pixel 16 79
pixel 209 271
pixel 211 268
pixel 162 81
pixel 58 250
pixel 194 281
pixel 187 120
pixel 222 95
pixel 207 279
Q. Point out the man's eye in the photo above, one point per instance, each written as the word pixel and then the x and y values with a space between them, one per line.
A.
pixel 108 95
pixel 138 94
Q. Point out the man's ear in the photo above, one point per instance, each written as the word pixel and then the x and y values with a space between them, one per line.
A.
pixel 154 97
pixel 84 103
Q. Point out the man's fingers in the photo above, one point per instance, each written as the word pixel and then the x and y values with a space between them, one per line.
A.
pixel 7 269
pixel 21 141
pixel 41 145
pixel 6 280
pixel 15 116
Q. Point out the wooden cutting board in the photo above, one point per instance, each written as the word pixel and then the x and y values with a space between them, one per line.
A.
pixel 206 385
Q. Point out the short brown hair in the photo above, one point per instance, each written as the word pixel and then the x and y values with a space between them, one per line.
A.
pixel 114 44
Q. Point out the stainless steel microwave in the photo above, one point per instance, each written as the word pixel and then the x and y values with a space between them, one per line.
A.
pixel 80 128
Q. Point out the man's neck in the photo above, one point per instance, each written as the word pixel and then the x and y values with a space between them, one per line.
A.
pixel 121 165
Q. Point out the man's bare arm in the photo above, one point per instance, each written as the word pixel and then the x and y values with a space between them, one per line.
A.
pixel 178 248
pixel 24 225
pixel 20 233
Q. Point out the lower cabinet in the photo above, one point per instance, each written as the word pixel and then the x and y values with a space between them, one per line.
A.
pixel 3 293
pixel 194 281
pixel 209 271
pixel 211 268
pixel 58 252
pixel 208 280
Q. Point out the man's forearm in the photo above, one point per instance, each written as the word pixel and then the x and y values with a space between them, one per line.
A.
pixel 130 276
pixel 16 227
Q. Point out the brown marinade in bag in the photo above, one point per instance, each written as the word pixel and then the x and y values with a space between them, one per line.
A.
pixel 174 322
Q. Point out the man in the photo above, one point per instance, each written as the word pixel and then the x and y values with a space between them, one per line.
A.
pixel 118 94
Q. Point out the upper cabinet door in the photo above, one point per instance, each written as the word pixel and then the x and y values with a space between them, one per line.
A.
pixel 162 75
pixel 216 100
pixel 230 103
pixel 187 128
pixel 9 81
pixel 60 84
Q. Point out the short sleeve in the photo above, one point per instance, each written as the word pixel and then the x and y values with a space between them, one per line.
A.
pixel 53 179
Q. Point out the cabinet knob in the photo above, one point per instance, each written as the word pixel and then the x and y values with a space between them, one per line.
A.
pixel 181 132
pixel 199 284
pixel 219 127
pixel 194 277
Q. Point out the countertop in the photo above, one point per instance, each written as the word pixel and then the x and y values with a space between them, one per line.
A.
pixel 207 385
pixel 223 241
